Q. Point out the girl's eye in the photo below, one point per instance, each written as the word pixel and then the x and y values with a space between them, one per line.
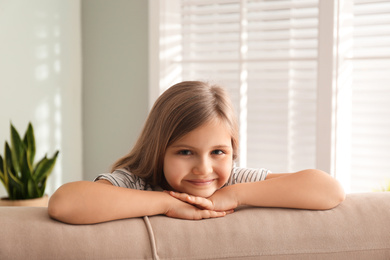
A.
pixel 184 152
pixel 218 152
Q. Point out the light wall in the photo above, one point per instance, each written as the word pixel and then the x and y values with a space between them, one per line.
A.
pixel 115 79
pixel 79 71
pixel 40 80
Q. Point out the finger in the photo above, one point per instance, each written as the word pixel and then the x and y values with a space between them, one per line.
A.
pixel 187 198
pixel 229 211
pixel 204 214
pixel 200 202
pixel 179 195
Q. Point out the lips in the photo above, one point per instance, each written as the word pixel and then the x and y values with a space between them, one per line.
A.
pixel 201 182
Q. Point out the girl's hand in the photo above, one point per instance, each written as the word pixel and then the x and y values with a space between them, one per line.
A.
pixel 225 198
pixel 200 202
pixel 180 209
pixel 222 200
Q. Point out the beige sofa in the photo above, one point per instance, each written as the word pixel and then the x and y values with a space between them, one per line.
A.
pixel 357 229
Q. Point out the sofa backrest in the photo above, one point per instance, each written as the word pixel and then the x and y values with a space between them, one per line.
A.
pixel 359 228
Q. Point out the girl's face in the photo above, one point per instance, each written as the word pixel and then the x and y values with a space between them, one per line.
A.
pixel 201 161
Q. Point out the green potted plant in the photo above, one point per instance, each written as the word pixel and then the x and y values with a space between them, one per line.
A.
pixel 24 180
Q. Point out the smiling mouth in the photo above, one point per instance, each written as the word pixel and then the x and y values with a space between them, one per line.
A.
pixel 201 182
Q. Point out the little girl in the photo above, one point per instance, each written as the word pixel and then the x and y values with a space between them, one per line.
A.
pixel 182 166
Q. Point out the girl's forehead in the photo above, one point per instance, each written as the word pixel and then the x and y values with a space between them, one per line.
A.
pixel 215 130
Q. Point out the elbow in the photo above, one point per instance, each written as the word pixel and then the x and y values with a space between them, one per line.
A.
pixel 55 208
pixel 334 195
pixel 329 191
pixel 338 196
pixel 58 207
pixel 333 200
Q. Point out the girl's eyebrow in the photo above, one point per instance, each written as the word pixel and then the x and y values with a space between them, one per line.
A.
pixel 220 146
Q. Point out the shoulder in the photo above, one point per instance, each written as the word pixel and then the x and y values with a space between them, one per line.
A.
pixel 124 178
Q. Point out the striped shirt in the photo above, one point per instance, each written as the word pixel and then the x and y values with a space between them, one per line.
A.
pixel 125 179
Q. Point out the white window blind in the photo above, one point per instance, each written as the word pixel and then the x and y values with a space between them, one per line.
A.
pixel 281 64
pixel 363 100
pixel 266 53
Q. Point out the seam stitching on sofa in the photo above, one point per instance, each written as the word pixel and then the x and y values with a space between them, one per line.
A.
pixel 151 238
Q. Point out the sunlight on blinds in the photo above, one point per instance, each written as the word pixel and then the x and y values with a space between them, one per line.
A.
pixel 264 53
pixel 363 94
pixel 169 44
pixel 267 53
pixel 370 55
pixel 282 65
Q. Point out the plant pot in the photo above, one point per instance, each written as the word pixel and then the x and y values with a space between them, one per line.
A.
pixel 38 202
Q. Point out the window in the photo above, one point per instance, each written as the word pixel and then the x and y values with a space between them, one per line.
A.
pixel 307 77
pixel 363 94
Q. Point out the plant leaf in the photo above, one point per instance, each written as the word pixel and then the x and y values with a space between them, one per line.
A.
pixel 17 148
pixel 8 158
pixel 30 187
pixel 2 176
pixel 29 142
pixel 6 182
pixel 44 168
pixel 15 185
pixel 1 164
pixel 42 187
pixel 25 168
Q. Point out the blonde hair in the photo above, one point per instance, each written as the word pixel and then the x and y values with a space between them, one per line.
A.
pixel 179 110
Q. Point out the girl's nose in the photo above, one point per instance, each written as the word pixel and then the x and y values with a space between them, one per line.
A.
pixel 203 167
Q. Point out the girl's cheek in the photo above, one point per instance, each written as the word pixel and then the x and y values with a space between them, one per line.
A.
pixel 229 169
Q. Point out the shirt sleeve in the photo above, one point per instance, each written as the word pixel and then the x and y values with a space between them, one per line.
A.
pixel 125 179
pixel 241 175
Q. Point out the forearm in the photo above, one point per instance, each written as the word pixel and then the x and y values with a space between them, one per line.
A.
pixel 308 189
pixel 88 202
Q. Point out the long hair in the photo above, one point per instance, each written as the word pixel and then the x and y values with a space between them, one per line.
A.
pixel 179 110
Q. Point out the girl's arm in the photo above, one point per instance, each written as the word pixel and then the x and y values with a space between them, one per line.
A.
pixel 87 202
pixel 308 189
